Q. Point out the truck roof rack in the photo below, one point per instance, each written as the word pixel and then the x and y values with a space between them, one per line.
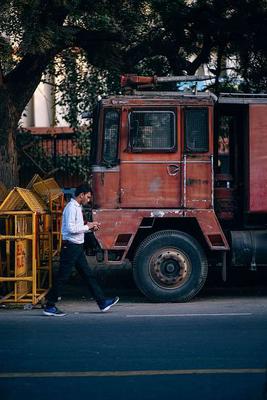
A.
pixel 206 95
pixel 137 81
pixel 133 84
pixel 242 98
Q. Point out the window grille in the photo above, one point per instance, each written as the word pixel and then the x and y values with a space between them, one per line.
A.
pixel 152 130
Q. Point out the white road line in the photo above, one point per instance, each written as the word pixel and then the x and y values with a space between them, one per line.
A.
pixel 84 374
pixel 188 315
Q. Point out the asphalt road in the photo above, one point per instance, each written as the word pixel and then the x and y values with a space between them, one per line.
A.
pixel 213 348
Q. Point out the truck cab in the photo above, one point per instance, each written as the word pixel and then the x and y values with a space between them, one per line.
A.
pixel 149 149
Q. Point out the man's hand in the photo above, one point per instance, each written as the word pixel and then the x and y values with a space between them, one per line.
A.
pixel 93 226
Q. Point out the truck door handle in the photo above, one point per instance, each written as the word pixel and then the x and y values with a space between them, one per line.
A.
pixel 173 169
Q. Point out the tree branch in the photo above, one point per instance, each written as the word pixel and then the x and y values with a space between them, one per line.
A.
pixel 202 57
pixel 26 76
pixel 97 44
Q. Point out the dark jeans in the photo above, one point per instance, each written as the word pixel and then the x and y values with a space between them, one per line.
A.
pixel 72 255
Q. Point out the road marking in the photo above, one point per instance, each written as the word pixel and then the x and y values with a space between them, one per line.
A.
pixel 188 315
pixel 63 374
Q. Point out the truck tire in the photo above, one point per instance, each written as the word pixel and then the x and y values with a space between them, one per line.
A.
pixel 170 266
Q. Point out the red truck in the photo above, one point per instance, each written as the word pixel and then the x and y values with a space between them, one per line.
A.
pixel 180 186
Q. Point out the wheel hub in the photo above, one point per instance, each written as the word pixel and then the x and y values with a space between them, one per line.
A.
pixel 169 268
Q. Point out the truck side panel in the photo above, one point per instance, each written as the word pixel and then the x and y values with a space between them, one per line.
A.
pixel 257 196
pixel 119 227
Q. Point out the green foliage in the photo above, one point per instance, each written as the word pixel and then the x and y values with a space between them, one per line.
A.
pixel 79 165
pixel 77 85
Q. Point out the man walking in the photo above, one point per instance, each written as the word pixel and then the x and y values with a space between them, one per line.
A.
pixel 72 254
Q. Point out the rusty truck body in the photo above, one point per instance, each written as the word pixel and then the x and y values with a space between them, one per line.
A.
pixel 180 186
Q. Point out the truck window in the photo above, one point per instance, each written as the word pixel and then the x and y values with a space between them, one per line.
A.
pixel 226 123
pixel 111 135
pixel 152 130
pixel 196 130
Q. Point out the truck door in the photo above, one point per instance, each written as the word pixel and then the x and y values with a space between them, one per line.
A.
pixel 150 162
pixel 198 157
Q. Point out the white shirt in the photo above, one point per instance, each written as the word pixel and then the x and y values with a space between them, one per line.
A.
pixel 73 227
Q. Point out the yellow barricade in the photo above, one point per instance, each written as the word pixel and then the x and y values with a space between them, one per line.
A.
pixel 25 247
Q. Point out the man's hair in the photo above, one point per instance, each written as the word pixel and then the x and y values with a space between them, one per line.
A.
pixel 84 188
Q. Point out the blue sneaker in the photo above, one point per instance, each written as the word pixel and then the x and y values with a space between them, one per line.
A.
pixel 53 311
pixel 106 304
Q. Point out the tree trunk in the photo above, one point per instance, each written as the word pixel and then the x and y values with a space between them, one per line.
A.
pixel 9 162
pixel 9 118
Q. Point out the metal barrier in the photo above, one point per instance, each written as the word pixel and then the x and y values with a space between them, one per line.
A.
pixel 26 250
pixel 52 195
pixel 30 236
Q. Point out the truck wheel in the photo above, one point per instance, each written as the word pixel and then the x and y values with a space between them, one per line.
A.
pixel 170 266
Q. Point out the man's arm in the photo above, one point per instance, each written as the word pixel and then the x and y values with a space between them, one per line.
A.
pixel 74 221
